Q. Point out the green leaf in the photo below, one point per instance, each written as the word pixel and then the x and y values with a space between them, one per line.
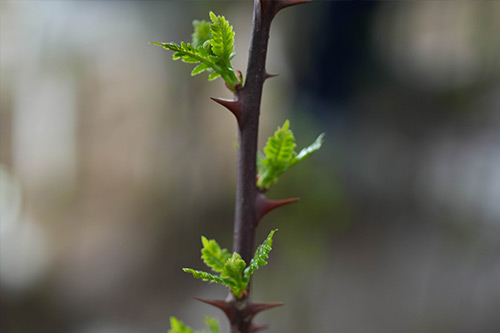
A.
pixel 213 76
pixel 199 69
pixel 186 52
pixel 212 48
pixel 213 256
pixel 279 152
pixel 177 326
pixel 280 147
pixel 213 324
pixel 233 269
pixel 279 155
pixel 208 277
pixel 201 33
pixel 311 149
pixel 236 287
pixel 222 38
pixel 261 254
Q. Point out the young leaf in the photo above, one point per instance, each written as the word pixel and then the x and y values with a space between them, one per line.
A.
pixel 212 48
pixel 279 152
pixel 261 254
pixel 213 76
pixel 222 38
pixel 279 155
pixel 177 326
pixel 187 53
pixel 213 324
pixel 213 256
pixel 199 69
pixel 233 269
pixel 280 147
pixel 201 33
pixel 208 277
pixel 311 149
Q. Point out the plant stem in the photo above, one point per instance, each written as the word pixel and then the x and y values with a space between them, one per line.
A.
pixel 250 98
pixel 248 101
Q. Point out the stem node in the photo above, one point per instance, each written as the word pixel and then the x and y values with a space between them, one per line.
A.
pixel 241 312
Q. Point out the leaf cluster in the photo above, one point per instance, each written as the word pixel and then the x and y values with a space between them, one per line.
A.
pixel 232 269
pixel 279 155
pixel 212 48
pixel 177 326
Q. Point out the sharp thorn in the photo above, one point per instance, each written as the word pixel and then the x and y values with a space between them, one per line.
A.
pixel 272 7
pixel 221 304
pixel 270 75
pixel 231 105
pixel 259 307
pixel 265 205
pixel 288 3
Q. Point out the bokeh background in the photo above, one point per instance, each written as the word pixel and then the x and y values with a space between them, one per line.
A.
pixel 114 162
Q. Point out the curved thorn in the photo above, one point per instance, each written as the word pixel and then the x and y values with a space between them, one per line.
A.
pixel 276 5
pixel 231 105
pixel 265 205
pixel 218 303
pixel 259 307
pixel 288 3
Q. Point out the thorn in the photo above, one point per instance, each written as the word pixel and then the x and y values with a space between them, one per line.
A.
pixel 272 7
pixel 288 3
pixel 218 303
pixel 265 205
pixel 259 307
pixel 269 75
pixel 277 5
pixel 256 328
pixel 231 105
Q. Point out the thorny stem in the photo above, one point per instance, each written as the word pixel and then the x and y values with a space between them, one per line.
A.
pixel 250 98
pixel 250 205
pixel 248 101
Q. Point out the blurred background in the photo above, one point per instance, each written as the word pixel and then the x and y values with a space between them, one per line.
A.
pixel 114 162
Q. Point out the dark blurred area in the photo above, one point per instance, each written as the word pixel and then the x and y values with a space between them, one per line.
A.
pixel 114 162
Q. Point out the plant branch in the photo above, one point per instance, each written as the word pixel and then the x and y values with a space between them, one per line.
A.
pixel 250 98
pixel 250 205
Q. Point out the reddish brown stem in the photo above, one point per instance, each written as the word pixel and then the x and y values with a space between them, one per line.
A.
pixel 250 96
pixel 249 99
pixel 251 205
